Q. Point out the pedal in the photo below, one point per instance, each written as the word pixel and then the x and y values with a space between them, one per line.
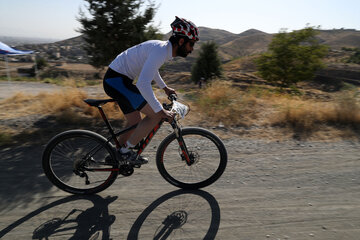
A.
pixel 137 166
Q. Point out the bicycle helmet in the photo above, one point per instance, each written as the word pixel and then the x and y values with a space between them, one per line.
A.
pixel 185 28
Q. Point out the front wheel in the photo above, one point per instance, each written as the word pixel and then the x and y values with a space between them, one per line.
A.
pixel 207 154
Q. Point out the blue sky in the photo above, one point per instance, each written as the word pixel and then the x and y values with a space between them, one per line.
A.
pixel 57 18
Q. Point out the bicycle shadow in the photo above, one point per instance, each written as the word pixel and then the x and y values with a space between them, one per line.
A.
pixel 20 166
pixel 182 213
pixel 89 223
pixel 186 213
pixel 21 172
pixel 21 175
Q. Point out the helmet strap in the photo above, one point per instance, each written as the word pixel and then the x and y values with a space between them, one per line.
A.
pixel 181 49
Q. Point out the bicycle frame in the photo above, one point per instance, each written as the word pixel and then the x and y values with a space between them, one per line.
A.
pixel 143 143
pixel 140 146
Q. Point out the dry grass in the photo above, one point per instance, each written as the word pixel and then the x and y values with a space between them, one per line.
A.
pixel 221 102
pixel 67 102
pixel 31 118
pixel 305 115
pixel 256 111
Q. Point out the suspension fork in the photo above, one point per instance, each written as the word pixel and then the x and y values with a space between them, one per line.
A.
pixel 183 147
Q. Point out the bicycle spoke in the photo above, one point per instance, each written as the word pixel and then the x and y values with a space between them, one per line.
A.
pixel 206 152
pixel 200 170
pixel 76 161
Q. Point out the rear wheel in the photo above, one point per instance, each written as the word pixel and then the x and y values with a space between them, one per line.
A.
pixel 207 154
pixel 74 161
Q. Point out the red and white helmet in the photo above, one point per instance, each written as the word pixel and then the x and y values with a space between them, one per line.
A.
pixel 185 28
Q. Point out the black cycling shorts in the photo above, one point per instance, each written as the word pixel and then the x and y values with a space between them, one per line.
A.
pixel 122 89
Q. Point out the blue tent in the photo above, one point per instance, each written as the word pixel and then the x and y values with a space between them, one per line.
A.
pixel 9 51
pixel 6 50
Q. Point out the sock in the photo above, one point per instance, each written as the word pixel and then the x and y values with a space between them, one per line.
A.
pixel 127 147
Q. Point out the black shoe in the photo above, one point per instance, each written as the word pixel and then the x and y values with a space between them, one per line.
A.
pixel 132 158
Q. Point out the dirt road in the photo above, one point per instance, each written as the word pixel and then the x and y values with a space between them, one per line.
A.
pixel 270 190
pixel 7 89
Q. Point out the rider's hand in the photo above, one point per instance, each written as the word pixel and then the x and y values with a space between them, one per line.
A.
pixel 165 114
pixel 169 91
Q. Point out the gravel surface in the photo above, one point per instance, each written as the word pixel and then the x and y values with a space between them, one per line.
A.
pixel 270 190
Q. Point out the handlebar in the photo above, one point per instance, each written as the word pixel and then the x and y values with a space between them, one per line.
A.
pixel 172 97
pixel 180 109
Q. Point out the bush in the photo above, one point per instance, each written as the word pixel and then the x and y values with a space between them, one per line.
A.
pixel 292 57
pixel 41 63
pixel 355 58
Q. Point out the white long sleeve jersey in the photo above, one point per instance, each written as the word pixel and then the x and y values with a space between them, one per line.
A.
pixel 143 62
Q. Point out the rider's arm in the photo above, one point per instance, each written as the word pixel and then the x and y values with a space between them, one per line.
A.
pixel 159 81
pixel 148 73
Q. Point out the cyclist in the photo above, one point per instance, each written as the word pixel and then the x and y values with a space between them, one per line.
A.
pixel 143 62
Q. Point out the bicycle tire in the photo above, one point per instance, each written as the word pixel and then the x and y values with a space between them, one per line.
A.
pixel 204 146
pixel 65 150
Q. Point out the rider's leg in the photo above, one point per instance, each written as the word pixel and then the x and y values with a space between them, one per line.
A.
pixel 145 125
pixel 143 128
pixel 131 119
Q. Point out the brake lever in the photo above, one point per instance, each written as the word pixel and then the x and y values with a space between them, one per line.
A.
pixel 167 106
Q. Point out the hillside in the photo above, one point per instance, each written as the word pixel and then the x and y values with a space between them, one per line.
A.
pixel 16 41
pixel 337 39
pixel 231 45
pixel 69 50
pixel 253 41
pixel 217 35
pixel 245 45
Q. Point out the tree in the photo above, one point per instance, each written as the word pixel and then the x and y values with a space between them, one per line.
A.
pixel 292 57
pixel 115 25
pixel 208 64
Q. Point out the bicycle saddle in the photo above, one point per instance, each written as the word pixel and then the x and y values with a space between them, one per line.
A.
pixel 98 102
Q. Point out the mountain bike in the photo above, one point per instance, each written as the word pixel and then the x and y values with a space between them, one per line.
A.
pixel 85 162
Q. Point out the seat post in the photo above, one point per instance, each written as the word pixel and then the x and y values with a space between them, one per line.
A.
pixel 111 130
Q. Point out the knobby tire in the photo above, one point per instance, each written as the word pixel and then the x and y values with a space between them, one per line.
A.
pixel 205 148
